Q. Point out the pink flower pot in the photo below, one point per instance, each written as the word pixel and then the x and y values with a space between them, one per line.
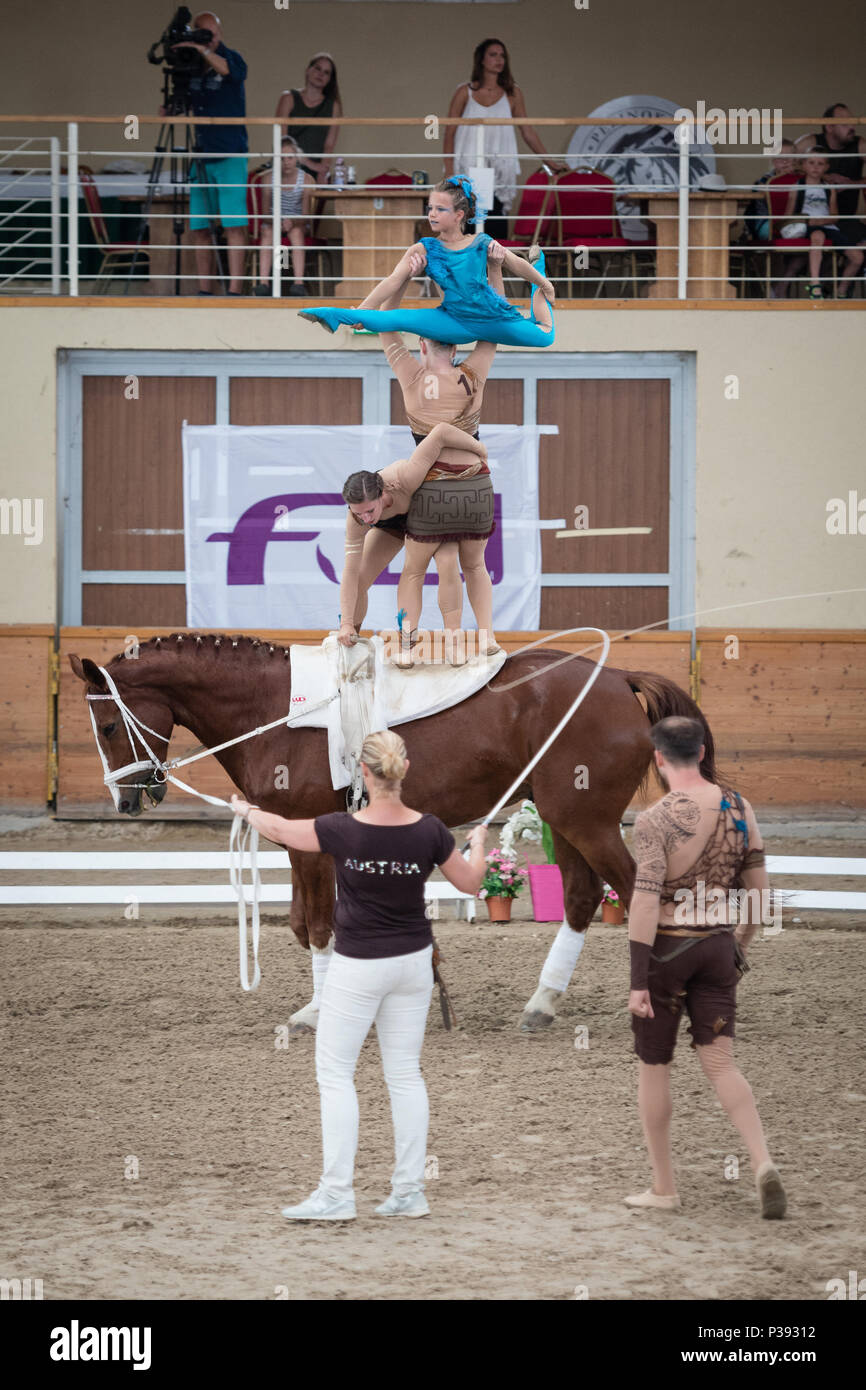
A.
pixel 545 885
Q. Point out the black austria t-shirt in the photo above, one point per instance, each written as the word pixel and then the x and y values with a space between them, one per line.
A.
pixel 381 872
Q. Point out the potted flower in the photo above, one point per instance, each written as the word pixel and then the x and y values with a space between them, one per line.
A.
pixel 501 883
pixel 545 880
pixel 612 907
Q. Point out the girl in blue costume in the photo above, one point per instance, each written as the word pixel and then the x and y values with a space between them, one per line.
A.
pixel 457 260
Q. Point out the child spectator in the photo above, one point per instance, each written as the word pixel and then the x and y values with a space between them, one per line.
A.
pixel 296 189
pixel 813 200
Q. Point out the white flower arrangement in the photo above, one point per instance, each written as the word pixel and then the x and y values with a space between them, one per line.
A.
pixel 525 824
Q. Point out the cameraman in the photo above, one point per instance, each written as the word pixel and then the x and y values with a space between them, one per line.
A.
pixel 219 173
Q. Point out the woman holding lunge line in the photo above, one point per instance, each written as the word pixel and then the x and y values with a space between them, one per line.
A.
pixel 381 970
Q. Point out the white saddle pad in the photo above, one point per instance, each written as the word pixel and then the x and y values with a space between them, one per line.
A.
pixel 365 692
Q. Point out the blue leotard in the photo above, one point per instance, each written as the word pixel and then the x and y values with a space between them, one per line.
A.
pixel 470 312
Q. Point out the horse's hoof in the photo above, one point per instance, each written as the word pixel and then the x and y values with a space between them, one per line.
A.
pixel 301 1030
pixel 534 1021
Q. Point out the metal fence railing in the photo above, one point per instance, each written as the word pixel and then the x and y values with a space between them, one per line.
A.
pixel 646 215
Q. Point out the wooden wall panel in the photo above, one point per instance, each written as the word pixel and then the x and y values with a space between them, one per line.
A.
pixel 132 469
pixel 789 715
pixel 609 607
pixel 134 605
pixel 611 455
pixel 25 702
pixel 282 400
pixel 664 653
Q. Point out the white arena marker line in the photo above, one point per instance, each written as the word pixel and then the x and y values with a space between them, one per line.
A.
pixel 826 902
pixel 79 895
pixel 792 864
pixel 156 860
pixel 81 861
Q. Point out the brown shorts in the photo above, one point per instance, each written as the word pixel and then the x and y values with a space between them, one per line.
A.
pixel 452 509
pixel 702 980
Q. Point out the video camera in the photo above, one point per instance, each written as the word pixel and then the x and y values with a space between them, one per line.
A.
pixel 179 60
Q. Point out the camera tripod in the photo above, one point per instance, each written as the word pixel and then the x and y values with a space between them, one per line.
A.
pixel 175 102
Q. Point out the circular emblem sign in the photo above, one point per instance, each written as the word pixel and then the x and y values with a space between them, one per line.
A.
pixel 642 154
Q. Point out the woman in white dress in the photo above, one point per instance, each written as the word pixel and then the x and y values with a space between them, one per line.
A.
pixel 492 91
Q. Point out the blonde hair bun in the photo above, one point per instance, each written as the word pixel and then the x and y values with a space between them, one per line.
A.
pixel 385 755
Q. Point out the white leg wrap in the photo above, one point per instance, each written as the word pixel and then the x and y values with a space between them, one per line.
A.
pixel 321 961
pixel 562 957
pixel 308 1016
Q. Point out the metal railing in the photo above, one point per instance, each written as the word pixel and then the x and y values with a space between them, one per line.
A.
pixel 668 189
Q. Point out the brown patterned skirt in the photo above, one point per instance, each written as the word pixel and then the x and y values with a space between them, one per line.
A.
pixel 452 509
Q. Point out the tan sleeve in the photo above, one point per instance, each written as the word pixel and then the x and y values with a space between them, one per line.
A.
pixel 408 474
pixel 479 361
pixel 354 548
pixel 402 364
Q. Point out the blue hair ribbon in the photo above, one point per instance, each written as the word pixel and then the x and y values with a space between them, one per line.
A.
pixel 465 185
pixel 462 182
pixel 740 825
pixel 400 616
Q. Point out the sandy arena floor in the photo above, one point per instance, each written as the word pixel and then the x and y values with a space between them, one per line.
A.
pixel 134 1040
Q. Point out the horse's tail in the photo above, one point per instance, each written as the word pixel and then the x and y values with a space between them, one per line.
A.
pixel 663 698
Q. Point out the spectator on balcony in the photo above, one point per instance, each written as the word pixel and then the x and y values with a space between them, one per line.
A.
pixel 320 97
pixel 296 187
pixel 492 91
pixel 757 214
pixel 815 200
pixel 219 174
pixel 846 149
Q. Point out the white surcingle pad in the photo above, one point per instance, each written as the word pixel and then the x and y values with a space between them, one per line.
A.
pixel 365 693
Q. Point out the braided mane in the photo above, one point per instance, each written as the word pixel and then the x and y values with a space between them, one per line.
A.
pixel 213 642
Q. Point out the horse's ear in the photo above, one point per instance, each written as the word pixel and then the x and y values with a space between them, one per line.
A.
pixel 87 671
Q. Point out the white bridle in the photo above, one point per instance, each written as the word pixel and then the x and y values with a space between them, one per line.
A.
pixel 243 836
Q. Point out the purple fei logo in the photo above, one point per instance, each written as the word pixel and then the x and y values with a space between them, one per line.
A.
pixel 254 532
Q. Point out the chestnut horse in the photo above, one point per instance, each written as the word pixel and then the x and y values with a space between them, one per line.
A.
pixel 463 759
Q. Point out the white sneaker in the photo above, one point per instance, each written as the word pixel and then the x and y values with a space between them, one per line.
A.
pixel 320 1207
pixel 414 1204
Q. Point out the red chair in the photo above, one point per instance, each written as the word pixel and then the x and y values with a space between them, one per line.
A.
pixel 778 190
pixel 115 254
pixel 392 178
pixel 534 215
pixel 586 206
pixel 260 180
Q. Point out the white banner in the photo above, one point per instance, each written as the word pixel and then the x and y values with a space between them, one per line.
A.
pixel 264 522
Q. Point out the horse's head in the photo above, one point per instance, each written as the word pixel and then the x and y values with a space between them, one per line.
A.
pixel 121 744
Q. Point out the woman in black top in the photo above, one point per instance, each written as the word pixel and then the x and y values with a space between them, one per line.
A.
pixel 381 969
pixel 319 96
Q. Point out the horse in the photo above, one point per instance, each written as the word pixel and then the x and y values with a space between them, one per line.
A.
pixel 462 760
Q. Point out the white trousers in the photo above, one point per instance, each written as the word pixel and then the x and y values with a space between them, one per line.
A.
pixel 394 992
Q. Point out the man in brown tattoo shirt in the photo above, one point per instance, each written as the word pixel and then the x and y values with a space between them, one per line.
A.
pixel 700 845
